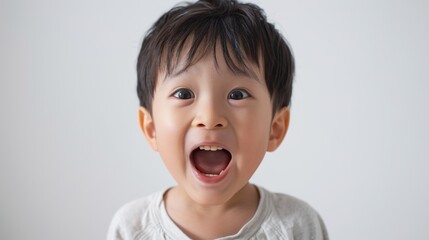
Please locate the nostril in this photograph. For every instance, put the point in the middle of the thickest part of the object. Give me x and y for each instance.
(209, 123)
(202, 125)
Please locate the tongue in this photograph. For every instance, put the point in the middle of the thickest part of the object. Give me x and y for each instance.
(211, 162)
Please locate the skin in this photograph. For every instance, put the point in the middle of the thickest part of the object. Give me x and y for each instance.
(209, 105)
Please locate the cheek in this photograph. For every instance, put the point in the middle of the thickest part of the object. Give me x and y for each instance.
(253, 138)
(255, 123)
(255, 141)
(170, 131)
(170, 128)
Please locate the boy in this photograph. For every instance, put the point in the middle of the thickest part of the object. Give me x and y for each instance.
(214, 83)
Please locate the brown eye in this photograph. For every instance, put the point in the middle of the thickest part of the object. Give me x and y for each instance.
(183, 93)
(238, 94)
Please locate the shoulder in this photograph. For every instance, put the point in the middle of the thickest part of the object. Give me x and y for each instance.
(135, 217)
(296, 217)
(292, 207)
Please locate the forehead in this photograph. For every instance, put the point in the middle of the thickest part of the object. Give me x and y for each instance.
(223, 58)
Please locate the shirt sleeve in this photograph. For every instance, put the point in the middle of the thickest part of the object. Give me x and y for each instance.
(116, 230)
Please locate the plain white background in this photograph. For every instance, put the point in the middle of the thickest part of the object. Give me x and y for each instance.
(72, 153)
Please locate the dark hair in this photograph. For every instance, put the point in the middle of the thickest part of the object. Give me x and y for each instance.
(241, 29)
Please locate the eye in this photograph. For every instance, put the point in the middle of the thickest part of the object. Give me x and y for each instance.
(238, 94)
(183, 93)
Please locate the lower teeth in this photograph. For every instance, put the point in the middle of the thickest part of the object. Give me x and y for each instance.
(213, 174)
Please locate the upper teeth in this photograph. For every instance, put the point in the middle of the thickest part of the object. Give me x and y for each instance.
(210, 148)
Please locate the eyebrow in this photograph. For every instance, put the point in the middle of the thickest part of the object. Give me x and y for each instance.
(249, 73)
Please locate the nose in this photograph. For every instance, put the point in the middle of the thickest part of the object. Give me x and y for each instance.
(210, 115)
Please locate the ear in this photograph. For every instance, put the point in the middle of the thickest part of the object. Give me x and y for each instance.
(279, 127)
(148, 127)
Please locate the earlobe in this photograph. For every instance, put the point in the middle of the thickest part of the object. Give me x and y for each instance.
(279, 127)
(148, 127)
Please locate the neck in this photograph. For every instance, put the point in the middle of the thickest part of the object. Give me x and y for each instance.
(200, 221)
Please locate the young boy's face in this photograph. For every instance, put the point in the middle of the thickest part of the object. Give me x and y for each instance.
(212, 109)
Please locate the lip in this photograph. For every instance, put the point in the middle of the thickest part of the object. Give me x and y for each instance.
(202, 177)
(210, 180)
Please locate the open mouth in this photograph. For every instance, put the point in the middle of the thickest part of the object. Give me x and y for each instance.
(210, 161)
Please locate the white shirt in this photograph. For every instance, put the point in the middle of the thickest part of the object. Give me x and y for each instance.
(278, 216)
